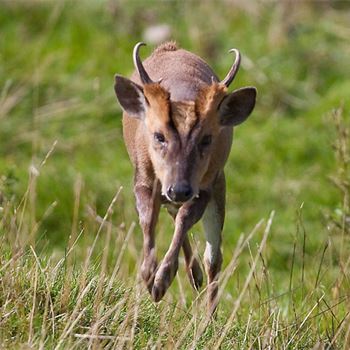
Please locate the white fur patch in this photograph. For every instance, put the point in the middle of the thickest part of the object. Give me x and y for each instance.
(212, 230)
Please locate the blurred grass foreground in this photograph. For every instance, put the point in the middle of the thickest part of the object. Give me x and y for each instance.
(70, 245)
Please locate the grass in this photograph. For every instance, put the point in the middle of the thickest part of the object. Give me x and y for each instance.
(69, 245)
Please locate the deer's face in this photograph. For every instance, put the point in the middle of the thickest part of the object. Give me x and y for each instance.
(181, 135)
(180, 148)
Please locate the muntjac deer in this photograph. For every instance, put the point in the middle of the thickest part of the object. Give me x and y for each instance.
(178, 125)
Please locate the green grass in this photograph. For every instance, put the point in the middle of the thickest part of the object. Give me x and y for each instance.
(57, 62)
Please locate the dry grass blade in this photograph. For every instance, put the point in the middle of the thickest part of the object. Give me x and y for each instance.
(343, 323)
(246, 284)
(43, 325)
(119, 259)
(241, 244)
(304, 320)
(33, 174)
(107, 214)
(71, 326)
(32, 312)
(136, 309)
(238, 251)
(123, 248)
(8, 102)
(48, 290)
(73, 319)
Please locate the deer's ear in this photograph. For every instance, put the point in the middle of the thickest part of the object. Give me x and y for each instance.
(130, 97)
(237, 106)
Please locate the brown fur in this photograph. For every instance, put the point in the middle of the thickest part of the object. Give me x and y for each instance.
(183, 108)
(184, 116)
(209, 98)
(169, 105)
(158, 99)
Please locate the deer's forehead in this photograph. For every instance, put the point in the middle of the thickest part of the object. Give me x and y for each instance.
(184, 116)
(187, 117)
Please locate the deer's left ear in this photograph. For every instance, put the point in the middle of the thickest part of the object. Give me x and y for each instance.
(237, 106)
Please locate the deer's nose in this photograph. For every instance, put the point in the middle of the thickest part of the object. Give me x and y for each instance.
(180, 192)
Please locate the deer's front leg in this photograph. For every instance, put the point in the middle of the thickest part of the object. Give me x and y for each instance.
(186, 217)
(148, 206)
(193, 269)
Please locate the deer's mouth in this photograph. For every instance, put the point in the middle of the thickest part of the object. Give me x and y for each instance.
(167, 200)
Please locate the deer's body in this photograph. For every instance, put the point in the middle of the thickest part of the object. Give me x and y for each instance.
(178, 132)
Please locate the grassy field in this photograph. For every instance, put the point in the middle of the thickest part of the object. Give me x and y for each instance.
(70, 246)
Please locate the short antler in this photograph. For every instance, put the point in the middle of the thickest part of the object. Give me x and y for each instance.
(234, 69)
(139, 66)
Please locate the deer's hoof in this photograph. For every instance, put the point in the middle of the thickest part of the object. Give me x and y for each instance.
(195, 274)
(148, 272)
(163, 279)
(158, 292)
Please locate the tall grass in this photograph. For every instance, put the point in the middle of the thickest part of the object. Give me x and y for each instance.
(91, 299)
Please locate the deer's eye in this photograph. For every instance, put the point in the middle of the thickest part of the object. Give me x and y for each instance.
(159, 137)
(206, 141)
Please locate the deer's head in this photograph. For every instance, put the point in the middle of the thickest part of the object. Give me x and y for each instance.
(181, 135)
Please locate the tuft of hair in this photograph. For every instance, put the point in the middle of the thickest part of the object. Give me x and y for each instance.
(209, 97)
(158, 99)
(167, 46)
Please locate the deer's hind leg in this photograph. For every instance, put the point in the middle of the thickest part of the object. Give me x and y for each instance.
(193, 269)
(213, 221)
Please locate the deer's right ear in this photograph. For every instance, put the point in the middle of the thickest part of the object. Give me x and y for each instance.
(130, 97)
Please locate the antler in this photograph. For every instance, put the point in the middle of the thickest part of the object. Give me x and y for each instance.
(234, 69)
(139, 66)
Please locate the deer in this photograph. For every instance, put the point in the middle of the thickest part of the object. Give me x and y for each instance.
(178, 121)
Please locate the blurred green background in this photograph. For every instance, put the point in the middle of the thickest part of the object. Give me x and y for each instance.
(57, 63)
